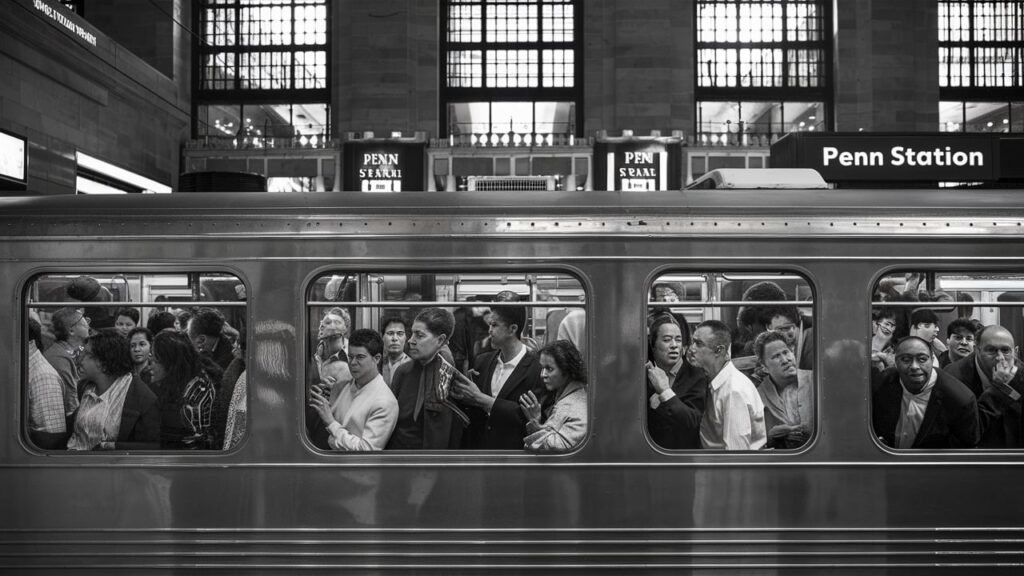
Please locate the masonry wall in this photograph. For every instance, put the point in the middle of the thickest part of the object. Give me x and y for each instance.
(66, 95)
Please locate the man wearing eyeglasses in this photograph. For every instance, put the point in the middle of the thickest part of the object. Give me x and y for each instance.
(70, 328)
(915, 405)
(959, 341)
(733, 412)
(993, 372)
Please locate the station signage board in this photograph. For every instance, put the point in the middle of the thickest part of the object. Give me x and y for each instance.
(636, 166)
(850, 157)
(383, 166)
(13, 160)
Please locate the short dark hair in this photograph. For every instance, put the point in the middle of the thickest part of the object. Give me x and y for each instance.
(512, 315)
(763, 340)
(35, 333)
(140, 330)
(438, 321)
(789, 312)
(960, 324)
(882, 313)
(567, 358)
(178, 356)
(394, 320)
(129, 312)
(159, 320)
(112, 352)
(369, 339)
(208, 322)
(62, 320)
(923, 316)
(721, 332)
(652, 331)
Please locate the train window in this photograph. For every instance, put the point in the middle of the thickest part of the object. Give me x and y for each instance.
(430, 361)
(730, 361)
(135, 361)
(945, 362)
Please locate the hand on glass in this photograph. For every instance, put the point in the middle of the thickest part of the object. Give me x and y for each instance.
(530, 406)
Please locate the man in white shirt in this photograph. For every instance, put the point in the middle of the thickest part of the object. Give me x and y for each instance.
(360, 415)
(915, 405)
(733, 412)
(500, 377)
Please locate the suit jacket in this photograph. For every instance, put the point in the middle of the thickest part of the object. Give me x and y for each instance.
(436, 427)
(675, 425)
(505, 427)
(950, 419)
(1000, 417)
(140, 417)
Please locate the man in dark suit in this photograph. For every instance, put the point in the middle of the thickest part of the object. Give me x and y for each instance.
(915, 405)
(993, 373)
(676, 389)
(500, 377)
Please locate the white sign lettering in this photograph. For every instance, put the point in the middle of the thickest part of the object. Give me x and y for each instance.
(902, 156)
(64, 21)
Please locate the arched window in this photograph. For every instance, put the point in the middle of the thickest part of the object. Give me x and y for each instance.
(511, 67)
(762, 67)
(262, 70)
(981, 66)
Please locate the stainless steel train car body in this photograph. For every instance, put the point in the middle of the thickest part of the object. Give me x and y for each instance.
(274, 504)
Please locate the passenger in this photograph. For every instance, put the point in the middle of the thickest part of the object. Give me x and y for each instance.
(733, 413)
(924, 324)
(181, 320)
(904, 395)
(786, 392)
(226, 392)
(361, 414)
(752, 319)
(574, 329)
(668, 292)
(47, 427)
(236, 422)
(140, 342)
(116, 411)
(500, 378)
(71, 329)
(677, 388)
(425, 422)
(206, 331)
(87, 289)
(786, 321)
(332, 339)
(125, 320)
(395, 337)
(883, 345)
(470, 333)
(159, 321)
(959, 341)
(993, 373)
(564, 423)
(185, 391)
(528, 341)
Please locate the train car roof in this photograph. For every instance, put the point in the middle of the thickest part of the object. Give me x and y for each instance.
(889, 202)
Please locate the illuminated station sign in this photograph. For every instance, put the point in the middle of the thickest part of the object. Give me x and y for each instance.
(385, 166)
(910, 157)
(637, 165)
(13, 161)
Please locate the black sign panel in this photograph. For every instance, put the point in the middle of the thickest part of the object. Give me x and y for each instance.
(385, 166)
(636, 166)
(878, 157)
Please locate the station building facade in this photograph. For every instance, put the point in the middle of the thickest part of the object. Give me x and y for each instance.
(116, 95)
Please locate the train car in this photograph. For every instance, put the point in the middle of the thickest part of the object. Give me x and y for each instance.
(618, 502)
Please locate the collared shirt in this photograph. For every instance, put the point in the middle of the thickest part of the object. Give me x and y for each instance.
(99, 415)
(503, 370)
(733, 413)
(661, 397)
(912, 409)
(389, 367)
(62, 356)
(45, 395)
(365, 416)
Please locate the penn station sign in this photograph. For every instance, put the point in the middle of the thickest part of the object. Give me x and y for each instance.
(848, 157)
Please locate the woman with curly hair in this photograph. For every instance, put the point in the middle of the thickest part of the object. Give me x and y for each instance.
(564, 421)
(185, 391)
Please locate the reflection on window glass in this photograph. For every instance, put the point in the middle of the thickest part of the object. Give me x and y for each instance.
(702, 356)
(446, 362)
(945, 344)
(136, 361)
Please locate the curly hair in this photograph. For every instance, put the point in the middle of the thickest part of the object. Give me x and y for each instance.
(112, 352)
(568, 360)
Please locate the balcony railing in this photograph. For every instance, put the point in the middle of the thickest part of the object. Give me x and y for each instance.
(299, 142)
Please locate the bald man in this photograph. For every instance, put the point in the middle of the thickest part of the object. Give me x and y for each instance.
(915, 405)
(993, 372)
